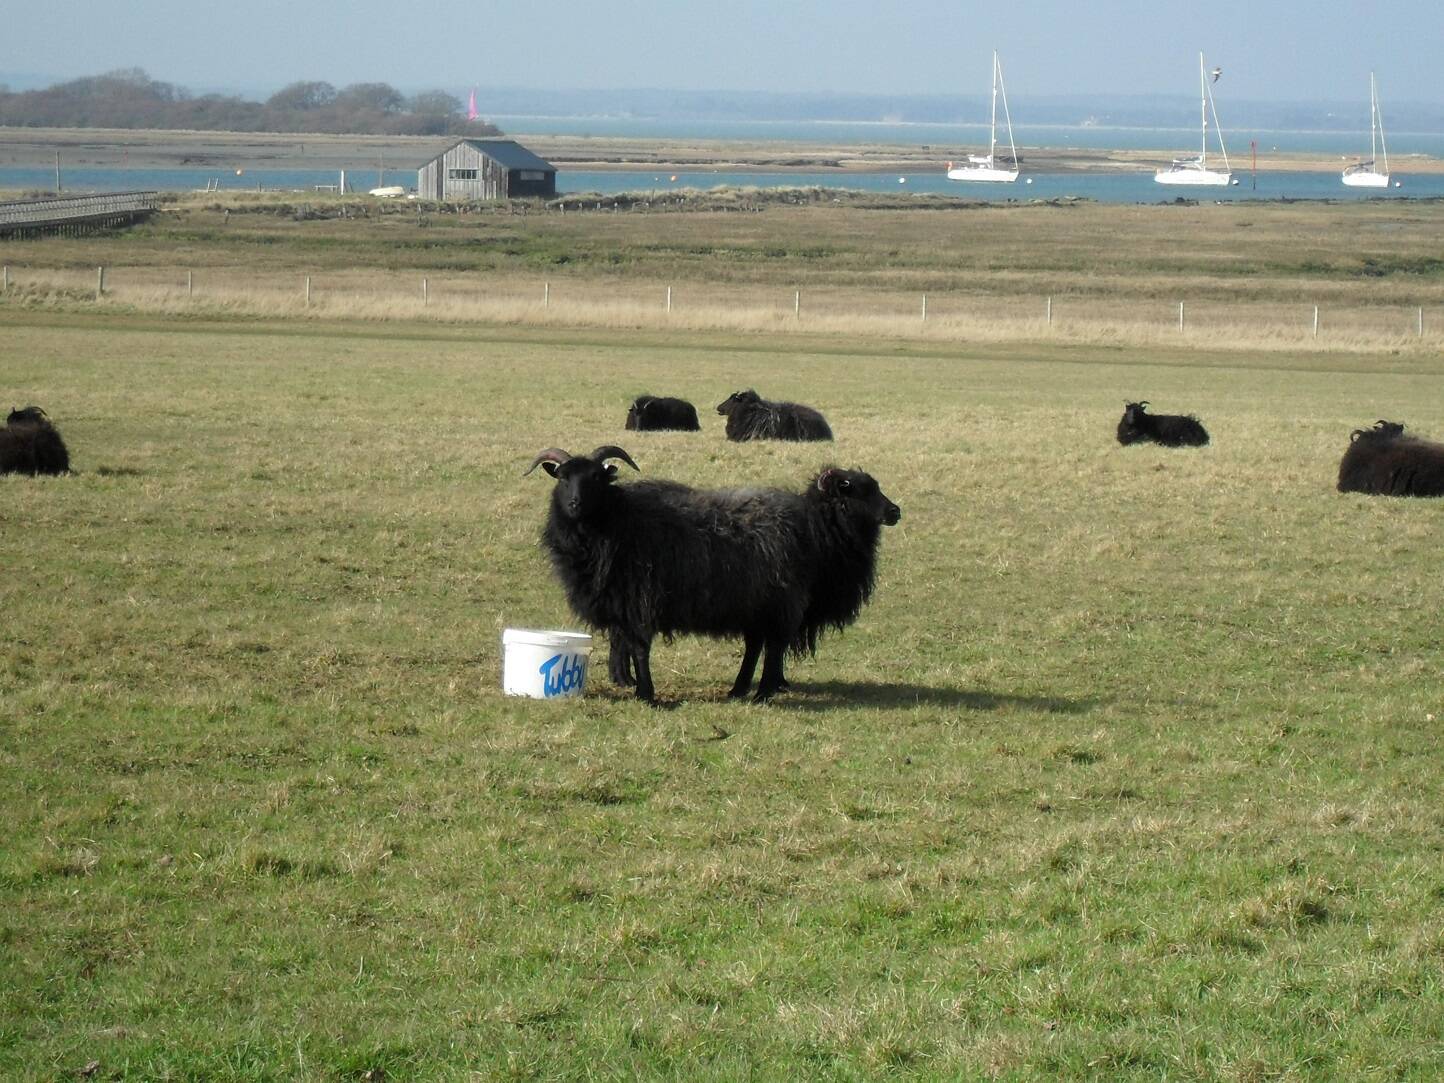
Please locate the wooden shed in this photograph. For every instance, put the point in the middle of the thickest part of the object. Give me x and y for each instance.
(486, 169)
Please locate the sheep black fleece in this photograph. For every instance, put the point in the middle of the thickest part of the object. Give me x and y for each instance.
(1385, 462)
(30, 444)
(657, 558)
(1170, 430)
(751, 417)
(653, 413)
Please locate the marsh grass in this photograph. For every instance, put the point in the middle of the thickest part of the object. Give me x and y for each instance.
(1249, 274)
(630, 304)
(1130, 770)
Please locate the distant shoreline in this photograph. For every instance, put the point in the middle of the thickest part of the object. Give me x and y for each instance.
(36, 148)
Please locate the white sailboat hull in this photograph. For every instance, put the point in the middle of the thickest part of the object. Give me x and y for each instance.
(1210, 178)
(985, 173)
(1193, 170)
(1366, 174)
(991, 168)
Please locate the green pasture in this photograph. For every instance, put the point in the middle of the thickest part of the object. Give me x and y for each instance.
(1131, 769)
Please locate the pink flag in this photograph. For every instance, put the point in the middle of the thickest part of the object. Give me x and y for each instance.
(471, 107)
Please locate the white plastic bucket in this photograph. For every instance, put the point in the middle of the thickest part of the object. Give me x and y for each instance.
(544, 665)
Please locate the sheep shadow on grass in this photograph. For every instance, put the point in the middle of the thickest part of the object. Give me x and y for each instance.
(833, 695)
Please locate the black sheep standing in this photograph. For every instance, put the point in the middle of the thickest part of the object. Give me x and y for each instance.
(659, 558)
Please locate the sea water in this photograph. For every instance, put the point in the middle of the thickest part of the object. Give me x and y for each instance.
(1104, 187)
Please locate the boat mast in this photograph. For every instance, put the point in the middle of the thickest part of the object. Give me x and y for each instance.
(1208, 105)
(993, 126)
(998, 71)
(1376, 123)
(1203, 118)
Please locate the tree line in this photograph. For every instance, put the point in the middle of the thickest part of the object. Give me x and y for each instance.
(129, 98)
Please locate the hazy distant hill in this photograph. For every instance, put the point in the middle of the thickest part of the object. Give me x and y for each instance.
(129, 98)
(1132, 111)
(1128, 111)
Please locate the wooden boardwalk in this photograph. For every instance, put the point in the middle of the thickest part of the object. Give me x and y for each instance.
(75, 214)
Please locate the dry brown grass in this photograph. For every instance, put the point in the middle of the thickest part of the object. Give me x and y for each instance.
(580, 303)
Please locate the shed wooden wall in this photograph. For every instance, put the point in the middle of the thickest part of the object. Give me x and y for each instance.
(492, 181)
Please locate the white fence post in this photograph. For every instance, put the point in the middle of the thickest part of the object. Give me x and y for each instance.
(190, 284)
(1316, 321)
(1180, 315)
(669, 298)
(925, 308)
(5, 283)
(1050, 311)
(99, 282)
(797, 306)
(308, 291)
(424, 298)
(1421, 321)
(546, 295)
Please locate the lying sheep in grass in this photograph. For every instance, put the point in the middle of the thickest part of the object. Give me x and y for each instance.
(30, 444)
(656, 558)
(751, 417)
(1170, 430)
(651, 413)
(1384, 462)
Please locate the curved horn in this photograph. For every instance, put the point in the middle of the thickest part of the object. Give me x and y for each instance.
(1144, 402)
(550, 455)
(611, 451)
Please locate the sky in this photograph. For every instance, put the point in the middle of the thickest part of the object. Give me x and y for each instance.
(1270, 51)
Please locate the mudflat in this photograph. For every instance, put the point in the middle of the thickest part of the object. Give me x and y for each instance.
(109, 148)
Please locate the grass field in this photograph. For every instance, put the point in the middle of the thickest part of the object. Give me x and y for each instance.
(1249, 274)
(1129, 771)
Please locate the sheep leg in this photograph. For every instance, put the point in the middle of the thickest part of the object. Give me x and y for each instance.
(752, 648)
(641, 656)
(772, 679)
(619, 662)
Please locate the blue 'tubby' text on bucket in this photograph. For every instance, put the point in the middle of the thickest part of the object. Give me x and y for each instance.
(559, 679)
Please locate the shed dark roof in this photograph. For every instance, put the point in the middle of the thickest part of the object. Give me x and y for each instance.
(508, 153)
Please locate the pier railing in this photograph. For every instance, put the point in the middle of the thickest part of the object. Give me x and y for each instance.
(78, 212)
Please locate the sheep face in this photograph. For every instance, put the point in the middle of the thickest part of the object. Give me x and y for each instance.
(1133, 413)
(737, 400)
(583, 481)
(582, 486)
(859, 493)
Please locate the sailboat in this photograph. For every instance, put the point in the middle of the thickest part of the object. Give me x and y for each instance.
(992, 166)
(1194, 169)
(1367, 174)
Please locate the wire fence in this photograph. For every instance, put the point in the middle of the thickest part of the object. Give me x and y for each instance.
(582, 302)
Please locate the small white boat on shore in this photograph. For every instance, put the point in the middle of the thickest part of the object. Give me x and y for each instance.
(992, 167)
(390, 191)
(1369, 174)
(1194, 169)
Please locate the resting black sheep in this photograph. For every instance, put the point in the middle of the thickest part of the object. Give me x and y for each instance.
(660, 558)
(1385, 462)
(1170, 430)
(30, 444)
(751, 417)
(651, 413)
